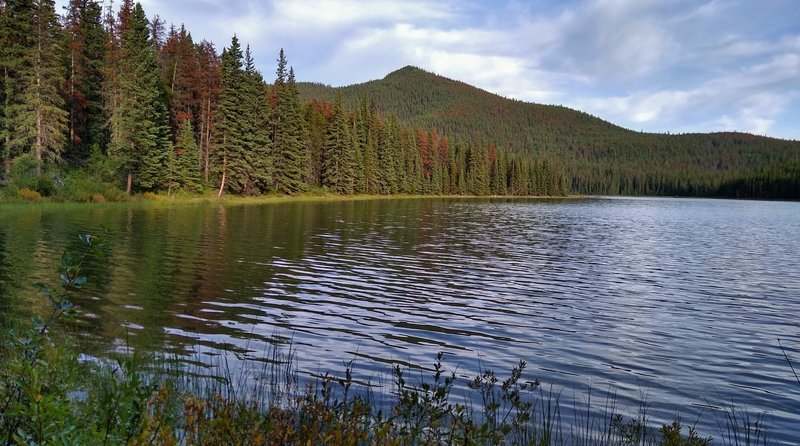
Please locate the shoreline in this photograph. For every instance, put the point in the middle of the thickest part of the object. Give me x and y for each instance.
(237, 200)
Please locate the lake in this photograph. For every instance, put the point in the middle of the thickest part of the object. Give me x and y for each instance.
(677, 301)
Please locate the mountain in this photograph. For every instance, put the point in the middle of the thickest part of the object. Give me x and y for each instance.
(600, 157)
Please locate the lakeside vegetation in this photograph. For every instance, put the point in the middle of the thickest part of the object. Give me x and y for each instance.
(52, 394)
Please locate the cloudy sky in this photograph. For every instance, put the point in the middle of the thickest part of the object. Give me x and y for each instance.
(653, 65)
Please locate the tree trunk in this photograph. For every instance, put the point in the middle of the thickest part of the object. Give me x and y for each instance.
(221, 185)
(72, 99)
(130, 184)
(7, 142)
(224, 171)
(208, 139)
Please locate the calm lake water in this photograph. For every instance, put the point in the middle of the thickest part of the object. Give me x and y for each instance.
(677, 301)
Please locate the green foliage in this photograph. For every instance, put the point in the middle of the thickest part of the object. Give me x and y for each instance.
(289, 137)
(84, 186)
(599, 157)
(338, 158)
(139, 119)
(672, 436)
(184, 160)
(40, 118)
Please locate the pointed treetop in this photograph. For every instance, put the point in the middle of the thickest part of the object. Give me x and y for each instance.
(249, 64)
(281, 71)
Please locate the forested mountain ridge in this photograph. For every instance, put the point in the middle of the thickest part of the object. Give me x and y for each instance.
(599, 157)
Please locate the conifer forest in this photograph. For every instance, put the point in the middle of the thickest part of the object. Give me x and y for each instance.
(109, 96)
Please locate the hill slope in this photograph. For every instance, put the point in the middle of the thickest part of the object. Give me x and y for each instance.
(600, 157)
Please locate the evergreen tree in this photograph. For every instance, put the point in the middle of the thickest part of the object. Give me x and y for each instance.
(369, 172)
(316, 117)
(413, 166)
(255, 128)
(499, 182)
(142, 144)
(337, 161)
(387, 159)
(180, 76)
(209, 79)
(41, 119)
(229, 159)
(15, 36)
(289, 143)
(186, 171)
(85, 45)
(363, 155)
(478, 171)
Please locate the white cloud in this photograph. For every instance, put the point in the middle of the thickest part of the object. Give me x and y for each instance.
(750, 100)
(676, 65)
(343, 13)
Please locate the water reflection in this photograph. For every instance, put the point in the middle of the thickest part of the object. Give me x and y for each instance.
(679, 299)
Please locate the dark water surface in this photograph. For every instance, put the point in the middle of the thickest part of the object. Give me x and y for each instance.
(677, 301)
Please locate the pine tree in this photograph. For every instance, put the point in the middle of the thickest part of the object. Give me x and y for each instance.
(370, 169)
(317, 114)
(186, 171)
(387, 159)
(229, 160)
(289, 142)
(255, 128)
(478, 178)
(85, 45)
(338, 158)
(208, 91)
(15, 36)
(180, 76)
(41, 120)
(142, 144)
(499, 181)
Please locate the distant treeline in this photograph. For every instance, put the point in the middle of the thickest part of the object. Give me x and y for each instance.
(128, 101)
(598, 157)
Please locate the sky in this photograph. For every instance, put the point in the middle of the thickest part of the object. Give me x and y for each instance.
(651, 65)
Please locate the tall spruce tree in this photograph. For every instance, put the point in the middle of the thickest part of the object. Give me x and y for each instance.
(15, 37)
(337, 158)
(142, 143)
(85, 45)
(288, 143)
(41, 120)
(478, 179)
(208, 90)
(255, 128)
(387, 159)
(229, 161)
(369, 174)
(185, 169)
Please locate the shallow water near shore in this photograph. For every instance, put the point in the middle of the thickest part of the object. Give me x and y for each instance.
(677, 301)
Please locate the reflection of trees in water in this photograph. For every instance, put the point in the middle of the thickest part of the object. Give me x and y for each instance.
(197, 269)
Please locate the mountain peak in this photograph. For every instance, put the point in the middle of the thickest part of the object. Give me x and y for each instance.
(408, 70)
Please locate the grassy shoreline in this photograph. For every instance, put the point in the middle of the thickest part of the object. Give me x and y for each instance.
(235, 200)
(52, 394)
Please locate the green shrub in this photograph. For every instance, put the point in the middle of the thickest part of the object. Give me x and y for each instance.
(82, 187)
